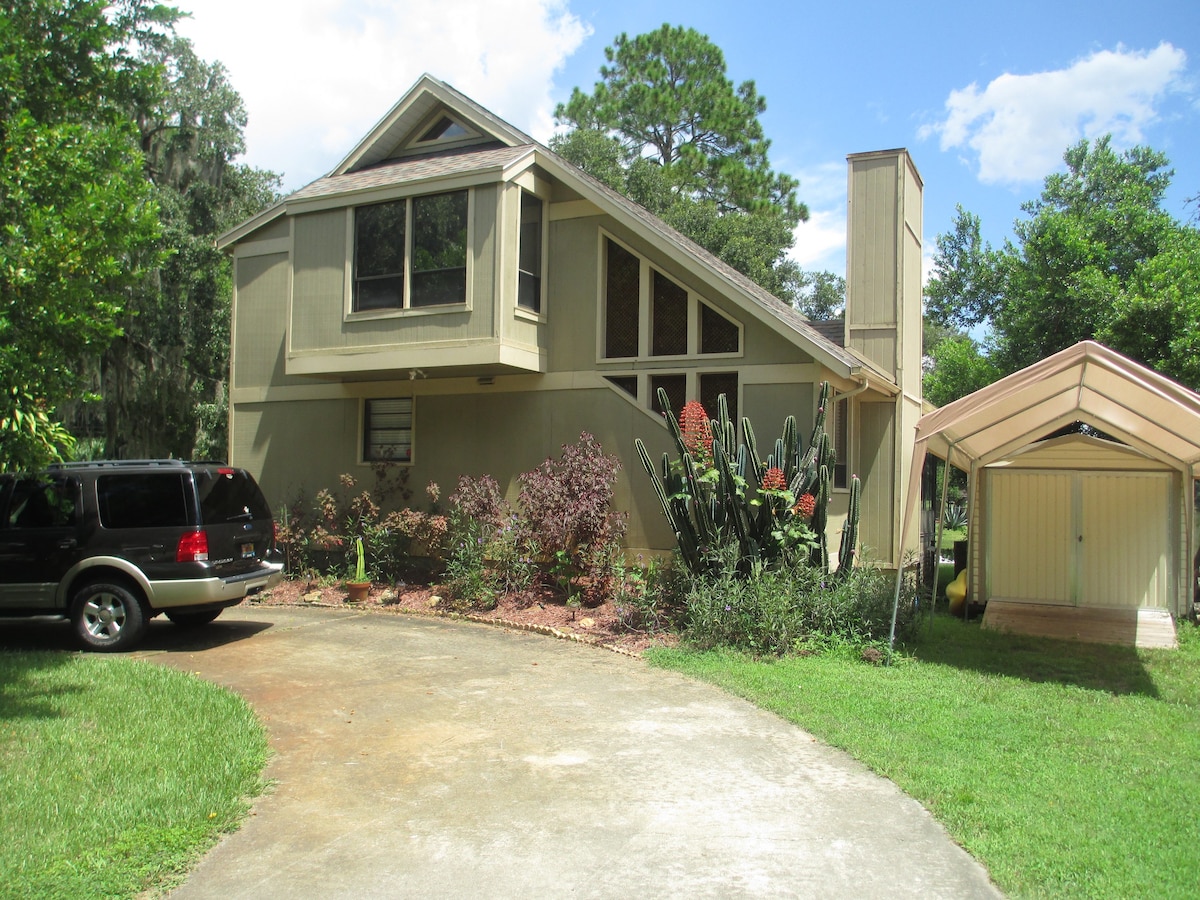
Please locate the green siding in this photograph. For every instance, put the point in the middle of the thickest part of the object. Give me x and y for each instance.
(877, 468)
(261, 313)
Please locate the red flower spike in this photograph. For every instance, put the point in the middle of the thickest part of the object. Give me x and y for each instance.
(805, 506)
(773, 479)
(693, 423)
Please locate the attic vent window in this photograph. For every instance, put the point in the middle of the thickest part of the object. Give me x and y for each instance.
(445, 129)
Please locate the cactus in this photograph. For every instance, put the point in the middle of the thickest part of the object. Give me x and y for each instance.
(752, 502)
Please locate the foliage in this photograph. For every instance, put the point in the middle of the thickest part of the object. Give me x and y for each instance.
(779, 609)
(820, 296)
(957, 369)
(665, 127)
(1047, 760)
(78, 223)
(182, 760)
(1096, 257)
(719, 492)
(565, 508)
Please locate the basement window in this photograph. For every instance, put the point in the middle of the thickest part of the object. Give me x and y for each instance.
(388, 430)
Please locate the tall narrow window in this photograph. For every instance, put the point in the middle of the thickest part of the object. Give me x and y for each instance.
(529, 264)
(379, 245)
(439, 254)
(669, 317)
(388, 430)
(621, 302)
(841, 442)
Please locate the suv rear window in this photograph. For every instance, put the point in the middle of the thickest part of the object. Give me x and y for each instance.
(228, 495)
(143, 501)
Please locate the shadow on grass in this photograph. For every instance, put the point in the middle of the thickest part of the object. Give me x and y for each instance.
(965, 645)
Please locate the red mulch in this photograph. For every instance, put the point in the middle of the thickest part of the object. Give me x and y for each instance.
(542, 610)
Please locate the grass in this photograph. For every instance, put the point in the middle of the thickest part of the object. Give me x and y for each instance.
(115, 774)
(1068, 770)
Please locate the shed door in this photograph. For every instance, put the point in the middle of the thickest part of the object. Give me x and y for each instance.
(1080, 538)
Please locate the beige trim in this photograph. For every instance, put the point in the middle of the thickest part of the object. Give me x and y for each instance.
(262, 248)
(550, 381)
(416, 188)
(573, 209)
(408, 357)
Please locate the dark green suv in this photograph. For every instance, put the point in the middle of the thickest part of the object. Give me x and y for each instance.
(110, 545)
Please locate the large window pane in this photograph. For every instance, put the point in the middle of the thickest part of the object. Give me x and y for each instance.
(712, 385)
(717, 333)
(669, 318)
(439, 251)
(529, 264)
(676, 388)
(621, 301)
(379, 256)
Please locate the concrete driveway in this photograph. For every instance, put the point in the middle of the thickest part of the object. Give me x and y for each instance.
(425, 758)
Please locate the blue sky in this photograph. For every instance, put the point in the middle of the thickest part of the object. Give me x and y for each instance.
(986, 97)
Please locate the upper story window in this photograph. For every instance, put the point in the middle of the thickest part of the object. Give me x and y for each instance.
(529, 262)
(411, 253)
(678, 322)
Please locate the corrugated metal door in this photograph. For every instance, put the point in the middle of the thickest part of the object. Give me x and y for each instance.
(1029, 540)
(1081, 538)
(1123, 539)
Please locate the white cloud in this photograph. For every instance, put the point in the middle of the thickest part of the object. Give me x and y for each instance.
(1019, 125)
(315, 75)
(821, 241)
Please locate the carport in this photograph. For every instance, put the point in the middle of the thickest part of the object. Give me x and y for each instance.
(1079, 535)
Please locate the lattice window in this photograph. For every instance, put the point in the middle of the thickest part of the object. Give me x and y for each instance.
(627, 383)
(712, 385)
(669, 318)
(388, 430)
(621, 302)
(676, 388)
(717, 333)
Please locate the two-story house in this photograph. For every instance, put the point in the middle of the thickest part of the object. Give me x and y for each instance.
(457, 298)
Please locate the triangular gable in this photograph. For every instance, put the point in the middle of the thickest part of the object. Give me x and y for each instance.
(419, 111)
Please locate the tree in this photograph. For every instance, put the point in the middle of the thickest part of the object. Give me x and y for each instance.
(957, 368)
(1095, 258)
(668, 129)
(820, 296)
(161, 381)
(77, 217)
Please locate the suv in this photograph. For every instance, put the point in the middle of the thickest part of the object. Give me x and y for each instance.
(110, 545)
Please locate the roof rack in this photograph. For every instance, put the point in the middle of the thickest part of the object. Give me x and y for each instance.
(117, 463)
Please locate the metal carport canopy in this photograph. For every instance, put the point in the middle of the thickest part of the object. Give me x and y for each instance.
(1085, 383)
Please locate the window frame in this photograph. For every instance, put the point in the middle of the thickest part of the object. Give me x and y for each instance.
(696, 303)
(406, 308)
(538, 314)
(365, 431)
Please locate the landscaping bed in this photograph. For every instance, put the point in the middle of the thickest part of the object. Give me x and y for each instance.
(539, 609)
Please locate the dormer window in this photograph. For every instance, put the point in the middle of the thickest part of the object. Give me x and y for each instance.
(411, 253)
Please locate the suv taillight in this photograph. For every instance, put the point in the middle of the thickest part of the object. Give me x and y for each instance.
(193, 547)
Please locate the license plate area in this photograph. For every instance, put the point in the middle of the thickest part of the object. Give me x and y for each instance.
(248, 550)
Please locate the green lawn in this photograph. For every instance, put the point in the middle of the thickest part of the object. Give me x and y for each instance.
(115, 774)
(1069, 770)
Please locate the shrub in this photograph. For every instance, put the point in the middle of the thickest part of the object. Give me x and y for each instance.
(565, 519)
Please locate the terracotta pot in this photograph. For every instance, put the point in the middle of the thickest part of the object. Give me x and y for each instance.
(357, 591)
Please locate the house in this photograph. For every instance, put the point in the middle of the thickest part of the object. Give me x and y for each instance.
(1076, 534)
(456, 298)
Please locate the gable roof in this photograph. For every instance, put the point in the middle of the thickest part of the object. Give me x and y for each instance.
(371, 165)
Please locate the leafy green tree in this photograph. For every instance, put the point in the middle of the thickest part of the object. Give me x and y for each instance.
(820, 296)
(668, 129)
(78, 224)
(957, 368)
(1097, 257)
(161, 381)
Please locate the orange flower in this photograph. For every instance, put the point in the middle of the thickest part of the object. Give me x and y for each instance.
(805, 506)
(773, 479)
(697, 438)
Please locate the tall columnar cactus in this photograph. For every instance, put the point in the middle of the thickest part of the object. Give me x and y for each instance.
(724, 491)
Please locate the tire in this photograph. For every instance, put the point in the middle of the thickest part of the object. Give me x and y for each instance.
(107, 617)
(192, 618)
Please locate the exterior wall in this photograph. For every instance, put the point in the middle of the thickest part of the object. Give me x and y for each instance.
(876, 468)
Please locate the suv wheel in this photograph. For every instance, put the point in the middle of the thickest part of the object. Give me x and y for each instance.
(107, 617)
(191, 618)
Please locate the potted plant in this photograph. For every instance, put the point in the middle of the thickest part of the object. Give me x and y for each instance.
(361, 585)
